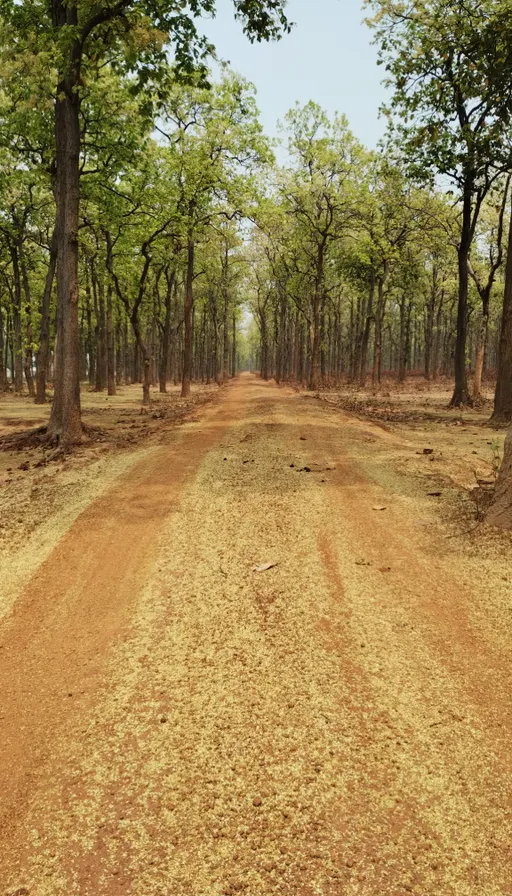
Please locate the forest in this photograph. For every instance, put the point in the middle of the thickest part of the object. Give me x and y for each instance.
(255, 456)
(174, 220)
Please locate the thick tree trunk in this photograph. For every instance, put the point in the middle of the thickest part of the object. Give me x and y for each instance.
(43, 353)
(500, 513)
(461, 394)
(65, 425)
(188, 309)
(503, 397)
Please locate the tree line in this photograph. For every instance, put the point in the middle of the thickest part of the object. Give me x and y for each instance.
(124, 177)
(354, 267)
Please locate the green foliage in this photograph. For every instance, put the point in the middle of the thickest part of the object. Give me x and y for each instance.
(450, 66)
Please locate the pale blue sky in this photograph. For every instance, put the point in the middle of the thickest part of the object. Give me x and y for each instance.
(328, 58)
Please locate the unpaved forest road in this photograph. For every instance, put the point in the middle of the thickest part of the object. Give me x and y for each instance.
(174, 723)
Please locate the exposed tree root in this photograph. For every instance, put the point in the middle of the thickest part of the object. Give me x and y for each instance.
(19, 441)
(461, 403)
(498, 422)
(41, 438)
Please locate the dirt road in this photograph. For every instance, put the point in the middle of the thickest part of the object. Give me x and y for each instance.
(174, 722)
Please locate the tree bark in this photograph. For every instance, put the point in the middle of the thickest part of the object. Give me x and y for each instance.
(101, 340)
(379, 317)
(166, 334)
(503, 397)
(225, 317)
(366, 333)
(3, 377)
(500, 512)
(44, 337)
(233, 350)
(264, 346)
(461, 394)
(188, 309)
(111, 357)
(65, 424)
(480, 353)
(17, 341)
(28, 357)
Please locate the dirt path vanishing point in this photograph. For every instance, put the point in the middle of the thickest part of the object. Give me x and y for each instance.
(175, 723)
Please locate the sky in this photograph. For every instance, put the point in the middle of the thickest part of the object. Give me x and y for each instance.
(327, 58)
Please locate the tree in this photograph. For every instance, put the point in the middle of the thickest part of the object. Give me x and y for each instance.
(492, 237)
(214, 139)
(503, 397)
(451, 69)
(317, 197)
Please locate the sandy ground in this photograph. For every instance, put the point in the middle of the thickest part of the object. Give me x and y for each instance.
(175, 722)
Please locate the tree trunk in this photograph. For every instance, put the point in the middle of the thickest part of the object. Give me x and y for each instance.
(366, 333)
(225, 317)
(166, 334)
(500, 513)
(480, 353)
(111, 355)
(188, 308)
(461, 394)
(28, 357)
(17, 342)
(3, 377)
(503, 397)
(314, 335)
(43, 352)
(65, 425)
(146, 361)
(379, 316)
(101, 338)
(429, 324)
(264, 346)
(233, 350)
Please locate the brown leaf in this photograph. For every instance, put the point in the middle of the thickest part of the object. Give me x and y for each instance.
(379, 507)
